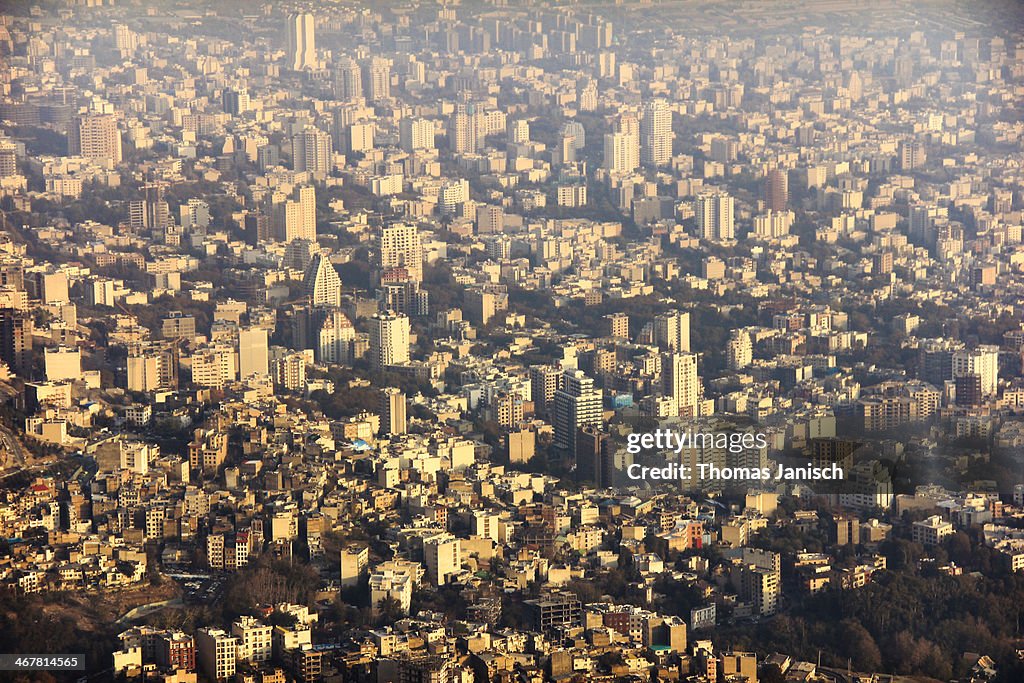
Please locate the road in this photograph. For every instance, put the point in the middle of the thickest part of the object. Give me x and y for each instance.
(11, 446)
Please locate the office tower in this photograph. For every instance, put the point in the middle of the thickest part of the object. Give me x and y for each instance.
(295, 217)
(400, 250)
(217, 653)
(389, 340)
(982, 362)
(680, 382)
(392, 411)
(95, 136)
(321, 282)
(348, 80)
(739, 352)
(334, 339)
(442, 554)
(594, 463)
(301, 42)
(672, 331)
(377, 79)
(16, 340)
(253, 352)
(311, 151)
(621, 152)
(577, 404)
(714, 212)
(656, 133)
(416, 134)
(776, 190)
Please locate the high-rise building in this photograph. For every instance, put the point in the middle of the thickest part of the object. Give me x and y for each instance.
(214, 367)
(714, 211)
(983, 362)
(415, 134)
(377, 78)
(594, 463)
(16, 339)
(355, 560)
(253, 351)
(656, 133)
(776, 190)
(289, 372)
(8, 158)
(301, 41)
(311, 151)
(62, 363)
(217, 653)
(235, 101)
(442, 554)
(672, 331)
(545, 380)
(466, 129)
(254, 639)
(912, 154)
(739, 352)
(257, 229)
(621, 152)
(518, 131)
(680, 382)
(153, 368)
(577, 404)
(401, 248)
(95, 136)
(617, 325)
(294, 217)
(389, 340)
(348, 80)
(392, 411)
(335, 338)
(321, 282)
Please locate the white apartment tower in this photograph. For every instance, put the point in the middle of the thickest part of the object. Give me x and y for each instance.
(311, 151)
(322, 284)
(621, 152)
(301, 41)
(389, 339)
(714, 211)
(656, 133)
(400, 247)
(577, 404)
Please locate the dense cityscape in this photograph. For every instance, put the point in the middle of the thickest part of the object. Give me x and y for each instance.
(512, 342)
